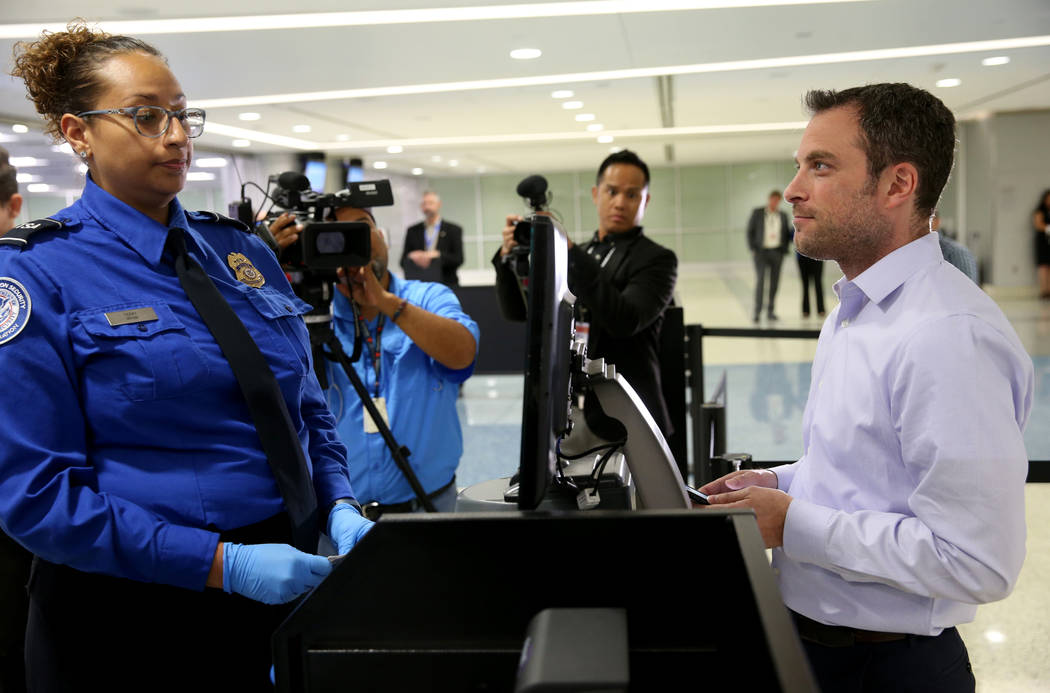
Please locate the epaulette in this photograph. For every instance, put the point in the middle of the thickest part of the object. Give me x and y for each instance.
(19, 235)
(216, 218)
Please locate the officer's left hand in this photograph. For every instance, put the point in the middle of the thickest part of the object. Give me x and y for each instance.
(770, 506)
(346, 527)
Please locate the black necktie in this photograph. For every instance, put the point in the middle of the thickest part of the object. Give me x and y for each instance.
(269, 412)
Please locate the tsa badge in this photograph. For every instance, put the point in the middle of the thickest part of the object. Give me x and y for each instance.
(15, 308)
(245, 270)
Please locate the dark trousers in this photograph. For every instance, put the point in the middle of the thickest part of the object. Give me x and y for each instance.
(14, 608)
(811, 271)
(915, 664)
(766, 259)
(95, 632)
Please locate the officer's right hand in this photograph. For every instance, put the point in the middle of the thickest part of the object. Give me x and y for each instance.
(271, 573)
(508, 233)
(734, 481)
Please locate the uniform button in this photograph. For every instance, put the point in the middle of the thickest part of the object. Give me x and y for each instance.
(845, 323)
(288, 308)
(143, 328)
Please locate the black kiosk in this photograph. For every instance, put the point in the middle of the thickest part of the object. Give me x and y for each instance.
(663, 598)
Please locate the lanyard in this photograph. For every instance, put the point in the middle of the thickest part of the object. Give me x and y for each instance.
(375, 349)
(594, 252)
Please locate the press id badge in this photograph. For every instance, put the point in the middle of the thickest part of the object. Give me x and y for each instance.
(370, 425)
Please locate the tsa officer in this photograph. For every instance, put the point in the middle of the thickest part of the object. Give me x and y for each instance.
(133, 464)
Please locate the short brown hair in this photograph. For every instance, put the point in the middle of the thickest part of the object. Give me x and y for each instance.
(898, 123)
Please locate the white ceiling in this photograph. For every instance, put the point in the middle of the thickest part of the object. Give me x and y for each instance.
(470, 124)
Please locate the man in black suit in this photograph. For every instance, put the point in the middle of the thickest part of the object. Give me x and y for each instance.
(433, 247)
(768, 236)
(622, 281)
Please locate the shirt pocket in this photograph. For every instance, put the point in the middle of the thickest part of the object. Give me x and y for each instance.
(284, 338)
(148, 360)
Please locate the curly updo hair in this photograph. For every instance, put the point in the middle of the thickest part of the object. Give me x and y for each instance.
(61, 70)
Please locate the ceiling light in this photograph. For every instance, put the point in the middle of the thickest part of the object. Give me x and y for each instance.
(949, 82)
(342, 137)
(595, 127)
(379, 165)
(417, 172)
(200, 175)
(241, 143)
(994, 636)
(19, 128)
(64, 148)
(453, 163)
(279, 22)
(39, 187)
(562, 94)
(211, 162)
(249, 116)
(997, 60)
(301, 128)
(584, 117)
(572, 105)
(699, 68)
(605, 139)
(613, 150)
(395, 149)
(26, 161)
(27, 178)
(436, 158)
(526, 53)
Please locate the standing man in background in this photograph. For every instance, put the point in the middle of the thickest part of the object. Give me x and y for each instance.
(433, 247)
(768, 237)
(14, 560)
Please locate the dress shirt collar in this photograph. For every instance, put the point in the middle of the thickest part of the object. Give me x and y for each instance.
(616, 237)
(888, 274)
(140, 233)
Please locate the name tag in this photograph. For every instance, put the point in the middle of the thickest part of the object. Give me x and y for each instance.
(132, 316)
(370, 426)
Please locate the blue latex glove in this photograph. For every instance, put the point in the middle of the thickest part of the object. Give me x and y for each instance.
(346, 527)
(271, 573)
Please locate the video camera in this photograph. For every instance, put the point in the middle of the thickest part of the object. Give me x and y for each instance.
(534, 190)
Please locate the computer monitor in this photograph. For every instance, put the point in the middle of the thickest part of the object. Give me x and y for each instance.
(548, 328)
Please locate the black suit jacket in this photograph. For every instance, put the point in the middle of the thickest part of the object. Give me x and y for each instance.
(756, 230)
(449, 244)
(624, 303)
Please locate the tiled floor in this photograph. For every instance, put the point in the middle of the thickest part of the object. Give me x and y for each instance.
(767, 383)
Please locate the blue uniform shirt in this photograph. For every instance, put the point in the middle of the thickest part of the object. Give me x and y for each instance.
(126, 447)
(420, 398)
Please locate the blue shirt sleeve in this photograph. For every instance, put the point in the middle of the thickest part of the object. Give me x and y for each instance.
(49, 497)
(440, 300)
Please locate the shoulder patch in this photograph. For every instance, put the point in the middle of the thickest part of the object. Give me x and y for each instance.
(15, 307)
(216, 218)
(19, 235)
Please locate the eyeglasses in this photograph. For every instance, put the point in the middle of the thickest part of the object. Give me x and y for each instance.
(153, 121)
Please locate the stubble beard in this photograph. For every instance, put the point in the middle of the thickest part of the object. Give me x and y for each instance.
(850, 237)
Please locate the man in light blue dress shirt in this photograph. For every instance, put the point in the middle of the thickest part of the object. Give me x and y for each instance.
(906, 509)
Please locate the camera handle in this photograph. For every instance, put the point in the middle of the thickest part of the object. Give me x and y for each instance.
(399, 452)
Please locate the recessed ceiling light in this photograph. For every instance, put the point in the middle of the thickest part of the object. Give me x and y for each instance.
(342, 137)
(26, 161)
(996, 60)
(572, 105)
(249, 116)
(27, 178)
(417, 172)
(453, 163)
(19, 128)
(241, 143)
(562, 94)
(994, 636)
(949, 82)
(39, 187)
(605, 139)
(211, 162)
(584, 117)
(379, 165)
(301, 128)
(595, 127)
(395, 149)
(436, 158)
(613, 150)
(200, 175)
(526, 53)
